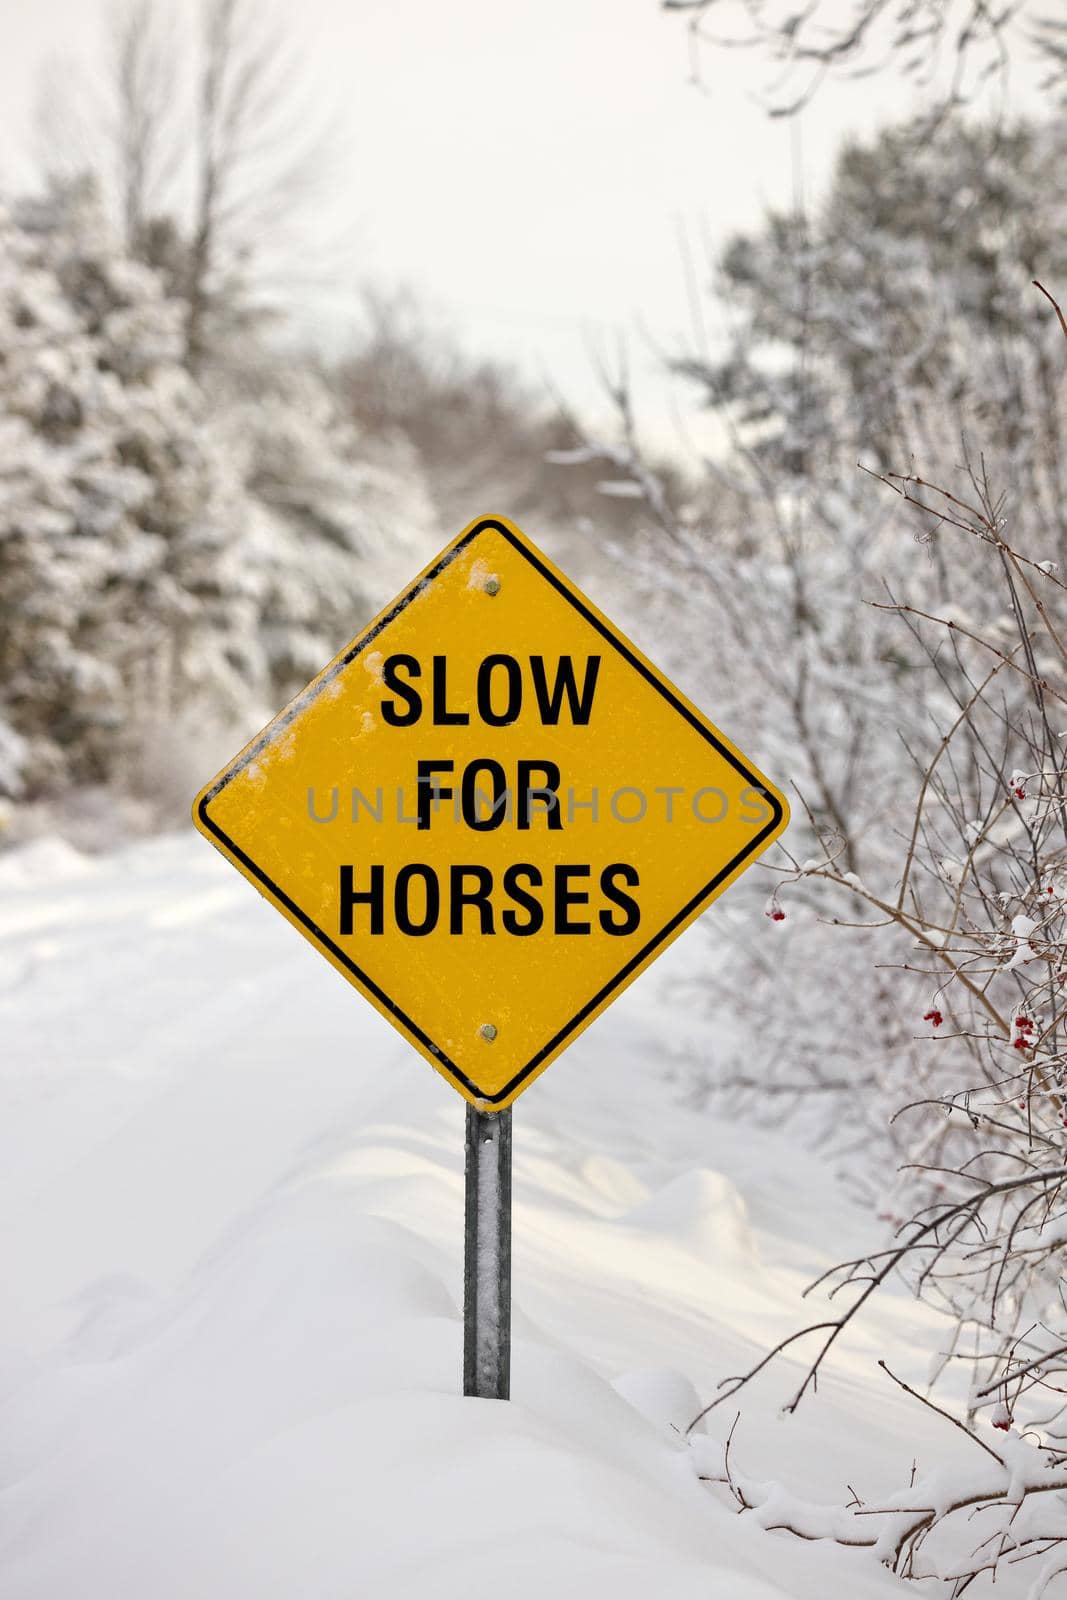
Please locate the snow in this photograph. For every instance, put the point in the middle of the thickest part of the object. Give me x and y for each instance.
(173, 550)
(1022, 927)
(230, 1339)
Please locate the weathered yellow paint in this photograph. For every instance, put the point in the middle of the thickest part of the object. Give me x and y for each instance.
(491, 593)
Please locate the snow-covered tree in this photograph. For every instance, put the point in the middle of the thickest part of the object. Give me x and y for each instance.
(895, 326)
(169, 553)
(116, 499)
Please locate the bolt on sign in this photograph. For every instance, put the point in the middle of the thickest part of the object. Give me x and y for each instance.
(490, 813)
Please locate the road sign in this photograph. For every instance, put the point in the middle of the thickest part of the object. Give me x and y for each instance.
(490, 812)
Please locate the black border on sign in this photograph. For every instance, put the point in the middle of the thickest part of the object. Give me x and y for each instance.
(305, 699)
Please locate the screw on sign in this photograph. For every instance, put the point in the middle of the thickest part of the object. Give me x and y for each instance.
(490, 813)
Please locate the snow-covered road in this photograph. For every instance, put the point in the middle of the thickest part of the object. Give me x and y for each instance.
(230, 1283)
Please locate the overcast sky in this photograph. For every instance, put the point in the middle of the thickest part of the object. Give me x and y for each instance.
(525, 165)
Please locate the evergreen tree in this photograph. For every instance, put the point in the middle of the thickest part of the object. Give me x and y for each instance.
(170, 552)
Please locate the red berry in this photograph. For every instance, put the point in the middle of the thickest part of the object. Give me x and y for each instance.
(1024, 1023)
(1003, 1426)
(935, 1017)
(1020, 792)
(1020, 1043)
(777, 915)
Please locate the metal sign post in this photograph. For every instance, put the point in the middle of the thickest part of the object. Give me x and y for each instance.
(487, 1256)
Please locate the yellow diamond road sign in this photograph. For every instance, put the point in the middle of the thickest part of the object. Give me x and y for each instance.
(490, 812)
